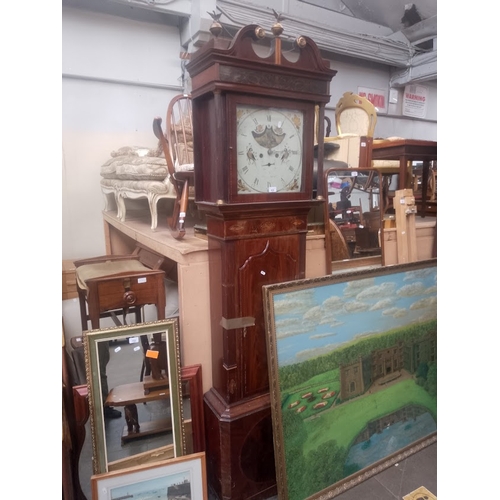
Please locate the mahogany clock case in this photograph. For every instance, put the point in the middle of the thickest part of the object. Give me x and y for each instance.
(255, 238)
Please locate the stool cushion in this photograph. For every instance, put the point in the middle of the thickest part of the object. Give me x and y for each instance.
(108, 268)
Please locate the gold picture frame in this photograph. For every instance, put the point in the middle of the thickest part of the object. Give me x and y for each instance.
(127, 345)
(353, 375)
(181, 477)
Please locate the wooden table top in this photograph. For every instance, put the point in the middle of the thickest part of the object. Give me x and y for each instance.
(393, 150)
(129, 394)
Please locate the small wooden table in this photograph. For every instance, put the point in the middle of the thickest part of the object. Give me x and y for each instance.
(406, 150)
(131, 394)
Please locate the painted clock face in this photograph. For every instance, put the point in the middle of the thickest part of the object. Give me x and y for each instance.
(269, 149)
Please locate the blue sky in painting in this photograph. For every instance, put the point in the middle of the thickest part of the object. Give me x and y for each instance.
(314, 321)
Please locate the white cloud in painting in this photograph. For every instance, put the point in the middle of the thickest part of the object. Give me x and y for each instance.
(355, 306)
(292, 326)
(313, 314)
(322, 316)
(354, 287)
(291, 332)
(384, 290)
(424, 303)
(322, 335)
(432, 290)
(419, 274)
(395, 312)
(417, 288)
(285, 323)
(334, 303)
(294, 302)
(330, 319)
(382, 304)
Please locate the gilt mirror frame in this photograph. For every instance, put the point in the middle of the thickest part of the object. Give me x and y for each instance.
(343, 251)
(91, 339)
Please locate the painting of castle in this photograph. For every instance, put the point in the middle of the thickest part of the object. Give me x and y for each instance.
(385, 365)
(353, 374)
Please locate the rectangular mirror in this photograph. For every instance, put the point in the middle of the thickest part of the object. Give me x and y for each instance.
(134, 370)
(352, 218)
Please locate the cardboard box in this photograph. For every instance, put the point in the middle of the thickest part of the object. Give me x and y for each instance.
(69, 290)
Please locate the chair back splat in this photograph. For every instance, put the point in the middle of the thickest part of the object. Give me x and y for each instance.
(355, 115)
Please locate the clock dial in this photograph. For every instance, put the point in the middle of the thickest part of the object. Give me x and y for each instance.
(269, 149)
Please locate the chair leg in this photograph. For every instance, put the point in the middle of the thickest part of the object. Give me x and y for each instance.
(83, 310)
(176, 222)
(183, 208)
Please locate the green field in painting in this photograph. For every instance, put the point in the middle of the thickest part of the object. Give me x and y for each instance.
(344, 422)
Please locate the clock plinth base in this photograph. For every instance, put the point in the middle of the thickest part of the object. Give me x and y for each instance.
(240, 454)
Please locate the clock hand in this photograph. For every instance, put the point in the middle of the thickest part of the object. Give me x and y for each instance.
(267, 164)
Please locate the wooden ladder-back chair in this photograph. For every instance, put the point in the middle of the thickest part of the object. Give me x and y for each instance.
(177, 145)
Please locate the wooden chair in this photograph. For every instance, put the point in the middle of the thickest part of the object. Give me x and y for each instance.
(177, 145)
(336, 245)
(355, 115)
(355, 120)
(430, 202)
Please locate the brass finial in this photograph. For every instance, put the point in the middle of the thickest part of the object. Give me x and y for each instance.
(216, 27)
(277, 28)
(301, 42)
(260, 32)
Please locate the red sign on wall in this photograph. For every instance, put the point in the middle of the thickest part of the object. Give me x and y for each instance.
(376, 96)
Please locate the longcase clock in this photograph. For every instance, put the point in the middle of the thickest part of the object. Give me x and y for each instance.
(254, 119)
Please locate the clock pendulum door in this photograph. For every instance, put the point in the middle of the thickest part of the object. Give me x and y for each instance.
(238, 413)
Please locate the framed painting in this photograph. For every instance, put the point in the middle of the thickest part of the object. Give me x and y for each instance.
(134, 372)
(353, 375)
(182, 477)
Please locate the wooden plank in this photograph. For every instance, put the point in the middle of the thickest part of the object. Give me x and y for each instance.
(406, 239)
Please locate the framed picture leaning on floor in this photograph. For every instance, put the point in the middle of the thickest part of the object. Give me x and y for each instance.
(353, 375)
(181, 477)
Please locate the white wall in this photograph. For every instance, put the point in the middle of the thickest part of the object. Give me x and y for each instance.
(118, 74)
